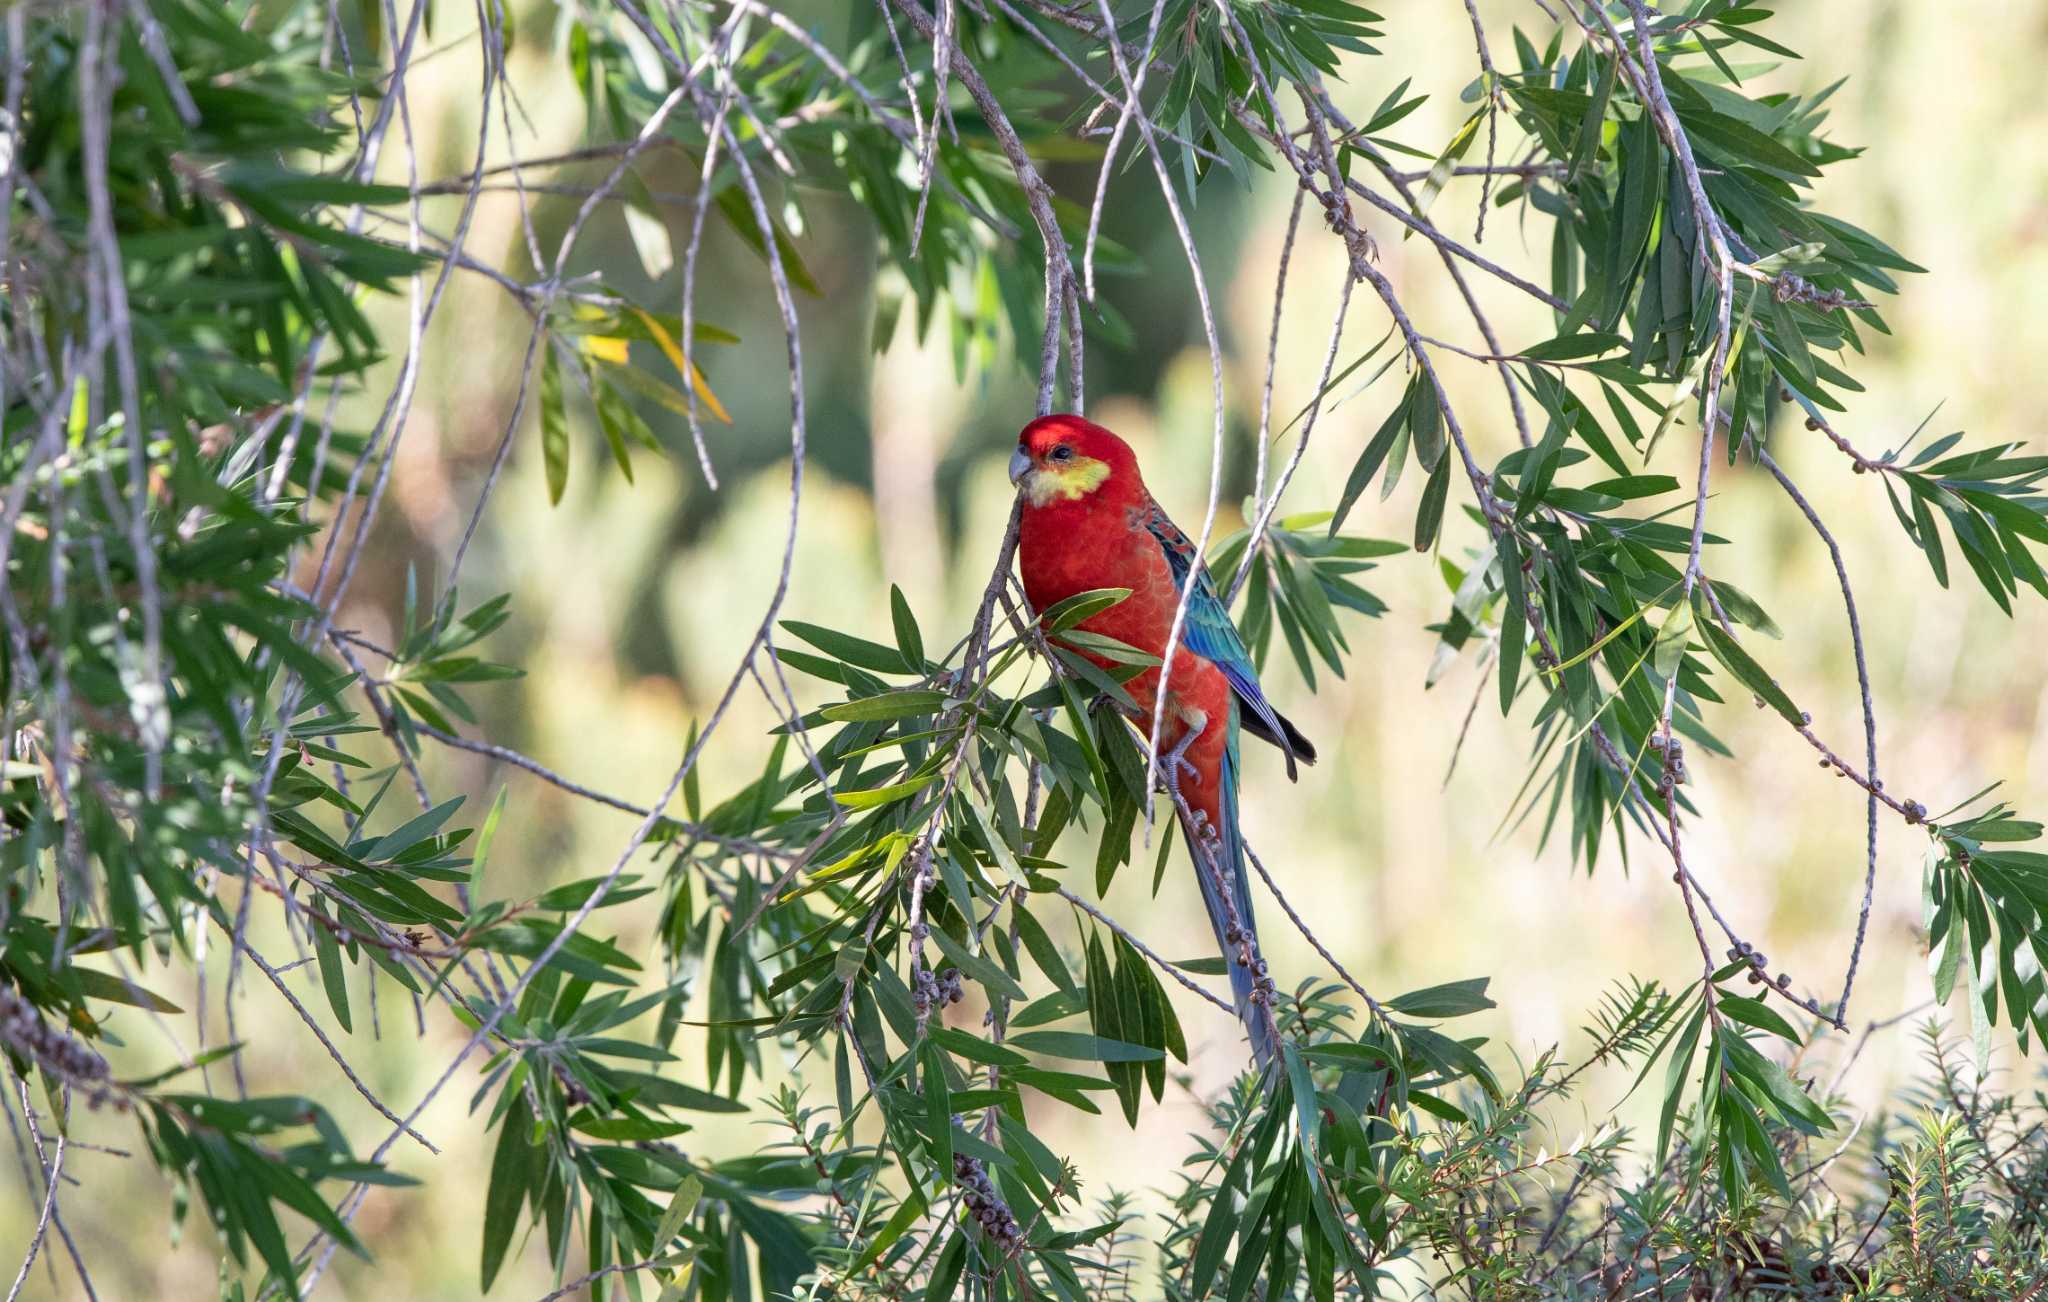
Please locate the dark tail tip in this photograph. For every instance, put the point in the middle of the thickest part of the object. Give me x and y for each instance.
(1303, 749)
(1289, 739)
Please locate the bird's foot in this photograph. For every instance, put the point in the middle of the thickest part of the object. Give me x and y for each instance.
(1177, 758)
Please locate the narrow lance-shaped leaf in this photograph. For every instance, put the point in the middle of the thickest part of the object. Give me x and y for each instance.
(554, 425)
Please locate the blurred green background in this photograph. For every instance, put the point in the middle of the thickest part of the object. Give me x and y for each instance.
(632, 601)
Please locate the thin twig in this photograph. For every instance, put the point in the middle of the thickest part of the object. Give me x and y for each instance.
(1162, 964)
(53, 1175)
(1871, 785)
(1303, 928)
(1490, 87)
(1194, 260)
(313, 1025)
(602, 1272)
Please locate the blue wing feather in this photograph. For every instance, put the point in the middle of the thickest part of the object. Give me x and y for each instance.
(1209, 632)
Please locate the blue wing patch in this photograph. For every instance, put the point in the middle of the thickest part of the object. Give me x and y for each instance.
(1209, 632)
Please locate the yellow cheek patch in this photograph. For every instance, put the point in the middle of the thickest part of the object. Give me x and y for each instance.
(1070, 482)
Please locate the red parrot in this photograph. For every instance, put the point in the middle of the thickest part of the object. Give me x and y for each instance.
(1088, 522)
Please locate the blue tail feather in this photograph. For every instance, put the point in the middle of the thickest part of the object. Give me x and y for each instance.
(1230, 852)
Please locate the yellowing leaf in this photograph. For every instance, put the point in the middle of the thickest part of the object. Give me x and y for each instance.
(606, 348)
(81, 409)
(683, 367)
(840, 867)
(897, 843)
(674, 1290)
(880, 795)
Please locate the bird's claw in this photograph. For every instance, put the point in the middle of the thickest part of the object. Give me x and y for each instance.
(1177, 760)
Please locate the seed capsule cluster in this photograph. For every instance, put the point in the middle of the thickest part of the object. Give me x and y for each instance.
(986, 1205)
(24, 1030)
(1758, 965)
(929, 991)
(1674, 759)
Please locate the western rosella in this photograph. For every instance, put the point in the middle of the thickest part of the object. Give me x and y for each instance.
(1088, 522)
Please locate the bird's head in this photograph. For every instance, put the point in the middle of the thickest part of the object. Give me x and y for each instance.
(1065, 458)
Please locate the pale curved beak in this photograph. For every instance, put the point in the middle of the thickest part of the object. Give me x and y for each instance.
(1020, 465)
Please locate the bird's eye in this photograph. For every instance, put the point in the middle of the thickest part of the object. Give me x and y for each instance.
(1063, 453)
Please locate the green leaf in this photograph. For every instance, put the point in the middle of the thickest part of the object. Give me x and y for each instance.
(484, 837)
(1219, 1228)
(1106, 648)
(946, 1274)
(1055, 1007)
(1744, 609)
(1452, 999)
(1668, 651)
(510, 1172)
(1429, 516)
(1591, 124)
(1369, 462)
(333, 977)
(1755, 1012)
(938, 1107)
(1094, 675)
(739, 214)
(1079, 1045)
(554, 425)
(975, 965)
(395, 843)
(1066, 613)
(1928, 536)
(666, 1092)
(1514, 623)
(908, 639)
(1352, 1057)
(1796, 1104)
(888, 705)
(1674, 1077)
(617, 419)
(855, 651)
(1630, 487)
(1441, 170)
(1043, 951)
(210, 1056)
(1733, 139)
(1307, 1106)
(975, 1049)
(1425, 423)
(908, 1213)
(94, 984)
(1946, 945)
(1748, 672)
(1106, 1016)
(679, 1209)
(1572, 347)
(1453, 1058)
